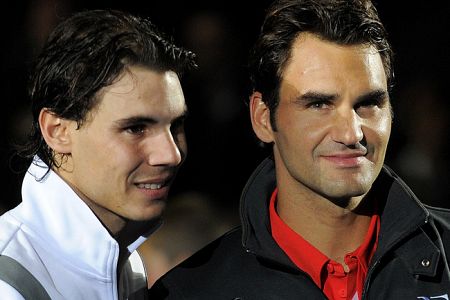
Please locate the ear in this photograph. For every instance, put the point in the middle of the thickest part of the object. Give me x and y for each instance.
(56, 131)
(260, 117)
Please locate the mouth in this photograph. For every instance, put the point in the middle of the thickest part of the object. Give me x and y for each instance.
(150, 186)
(154, 183)
(346, 160)
(154, 189)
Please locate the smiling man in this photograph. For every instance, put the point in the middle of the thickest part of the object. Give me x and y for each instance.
(107, 140)
(322, 217)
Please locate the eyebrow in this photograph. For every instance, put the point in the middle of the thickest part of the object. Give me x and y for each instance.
(148, 120)
(311, 97)
(375, 95)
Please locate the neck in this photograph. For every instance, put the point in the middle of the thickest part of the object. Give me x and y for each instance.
(132, 230)
(128, 234)
(332, 229)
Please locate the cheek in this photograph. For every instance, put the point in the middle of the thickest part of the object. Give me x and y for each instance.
(289, 122)
(105, 151)
(84, 150)
(377, 137)
(381, 129)
(301, 134)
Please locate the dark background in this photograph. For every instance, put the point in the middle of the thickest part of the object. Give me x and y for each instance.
(222, 148)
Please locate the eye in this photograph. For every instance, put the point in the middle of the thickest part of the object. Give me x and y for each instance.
(136, 129)
(368, 103)
(376, 99)
(319, 105)
(370, 107)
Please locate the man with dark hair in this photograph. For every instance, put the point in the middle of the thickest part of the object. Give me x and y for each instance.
(106, 142)
(323, 217)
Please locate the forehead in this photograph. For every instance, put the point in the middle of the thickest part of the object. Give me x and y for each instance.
(320, 63)
(140, 91)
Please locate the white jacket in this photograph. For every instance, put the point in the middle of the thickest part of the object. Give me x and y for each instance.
(55, 235)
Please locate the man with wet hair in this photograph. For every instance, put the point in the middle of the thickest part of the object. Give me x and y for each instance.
(105, 145)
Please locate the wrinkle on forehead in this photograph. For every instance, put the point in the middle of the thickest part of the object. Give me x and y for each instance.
(321, 63)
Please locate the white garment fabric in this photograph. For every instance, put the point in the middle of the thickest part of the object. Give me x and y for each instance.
(56, 237)
(9, 293)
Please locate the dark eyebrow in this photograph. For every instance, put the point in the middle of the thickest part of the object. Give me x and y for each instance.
(135, 120)
(376, 95)
(310, 97)
(148, 120)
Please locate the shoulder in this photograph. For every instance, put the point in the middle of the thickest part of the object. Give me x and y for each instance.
(10, 227)
(8, 292)
(211, 268)
(225, 270)
(441, 216)
(216, 255)
(18, 243)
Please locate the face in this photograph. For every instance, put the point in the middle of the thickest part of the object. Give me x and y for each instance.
(333, 120)
(124, 157)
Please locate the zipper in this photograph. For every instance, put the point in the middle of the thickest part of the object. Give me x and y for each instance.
(367, 280)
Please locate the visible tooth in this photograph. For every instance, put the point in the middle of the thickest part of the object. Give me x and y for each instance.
(155, 186)
(151, 186)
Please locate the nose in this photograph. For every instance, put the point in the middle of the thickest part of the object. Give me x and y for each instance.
(164, 150)
(347, 129)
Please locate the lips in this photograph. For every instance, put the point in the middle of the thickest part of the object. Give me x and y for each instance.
(154, 183)
(155, 188)
(345, 160)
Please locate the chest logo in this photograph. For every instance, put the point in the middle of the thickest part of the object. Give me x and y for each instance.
(441, 297)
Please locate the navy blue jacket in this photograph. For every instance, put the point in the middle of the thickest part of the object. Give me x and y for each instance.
(411, 260)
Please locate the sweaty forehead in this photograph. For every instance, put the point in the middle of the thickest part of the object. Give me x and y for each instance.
(140, 91)
(316, 63)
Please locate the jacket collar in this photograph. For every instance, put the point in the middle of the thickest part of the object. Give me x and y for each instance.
(406, 226)
(65, 224)
(402, 213)
(254, 210)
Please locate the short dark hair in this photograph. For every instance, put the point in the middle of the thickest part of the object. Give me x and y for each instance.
(345, 22)
(85, 53)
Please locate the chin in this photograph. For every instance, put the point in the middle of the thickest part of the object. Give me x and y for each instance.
(347, 192)
(149, 213)
(353, 187)
(346, 198)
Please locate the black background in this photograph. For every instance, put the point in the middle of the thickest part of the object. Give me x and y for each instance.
(222, 148)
